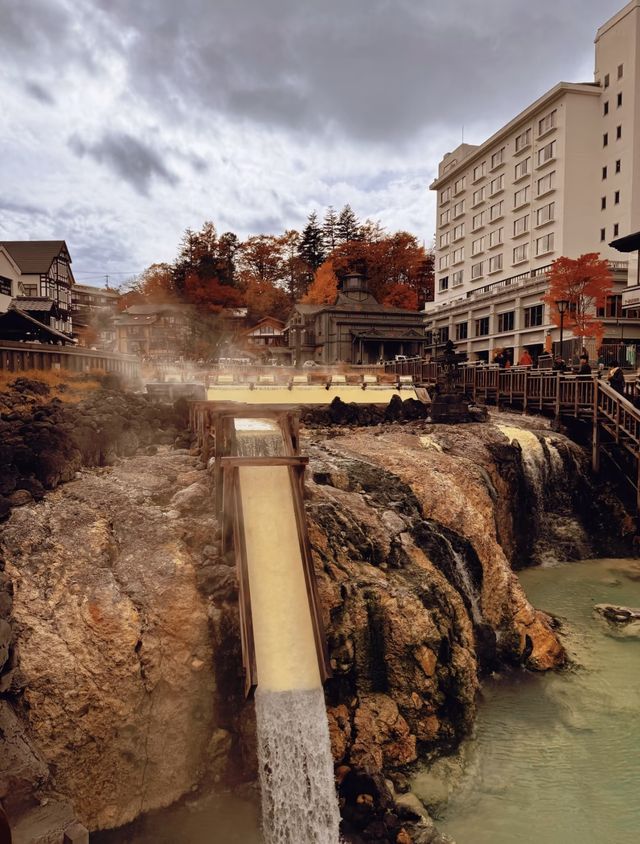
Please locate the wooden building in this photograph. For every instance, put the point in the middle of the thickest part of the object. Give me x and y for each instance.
(357, 329)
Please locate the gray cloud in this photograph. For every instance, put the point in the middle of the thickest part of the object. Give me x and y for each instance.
(367, 69)
(254, 112)
(39, 92)
(128, 157)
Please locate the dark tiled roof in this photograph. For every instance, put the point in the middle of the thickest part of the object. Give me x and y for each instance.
(16, 314)
(36, 303)
(34, 256)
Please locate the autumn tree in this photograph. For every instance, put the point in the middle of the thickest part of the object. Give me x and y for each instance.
(324, 288)
(401, 296)
(266, 299)
(261, 257)
(585, 283)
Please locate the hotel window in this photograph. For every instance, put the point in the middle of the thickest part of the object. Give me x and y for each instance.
(496, 185)
(619, 100)
(506, 321)
(521, 225)
(496, 237)
(495, 263)
(478, 196)
(606, 80)
(618, 132)
(458, 209)
(445, 196)
(523, 140)
(479, 171)
(445, 217)
(497, 158)
(544, 244)
(459, 185)
(547, 123)
(444, 240)
(443, 284)
(476, 270)
(477, 246)
(605, 108)
(482, 326)
(545, 214)
(604, 172)
(533, 316)
(616, 229)
(443, 263)
(458, 231)
(496, 211)
(458, 255)
(546, 183)
(603, 234)
(522, 168)
(620, 71)
(521, 196)
(520, 253)
(479, 220)
(618, 165)
(605, 139)
(616, 198)
(457, 278)
(546, 153)
(462, 330)
(603, 203)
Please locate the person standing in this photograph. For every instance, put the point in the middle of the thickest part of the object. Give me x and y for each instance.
(525, 358)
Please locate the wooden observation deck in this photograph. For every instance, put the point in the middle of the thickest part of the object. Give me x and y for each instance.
(614, 417)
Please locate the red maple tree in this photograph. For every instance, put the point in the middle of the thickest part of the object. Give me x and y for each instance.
(584, 283)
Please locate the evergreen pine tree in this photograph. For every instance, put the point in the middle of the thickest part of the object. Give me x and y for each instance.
(311, 250)
(329, 230)
(348, 227)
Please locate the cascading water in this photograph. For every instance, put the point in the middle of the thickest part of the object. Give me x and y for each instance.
(299, 802)
(464, 582)
(296, 769)
(549, 481)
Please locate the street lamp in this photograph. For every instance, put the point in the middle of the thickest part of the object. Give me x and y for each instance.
(562, 305)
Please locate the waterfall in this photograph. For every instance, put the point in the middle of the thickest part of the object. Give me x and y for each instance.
(465, 584)
(558, 533)
(299, 801)
(258, 438)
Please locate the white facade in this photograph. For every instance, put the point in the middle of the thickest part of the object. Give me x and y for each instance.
(561, 178)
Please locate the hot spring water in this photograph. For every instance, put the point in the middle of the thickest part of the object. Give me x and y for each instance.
(299, 802)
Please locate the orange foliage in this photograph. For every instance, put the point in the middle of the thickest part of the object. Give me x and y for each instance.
(584, 282)
(324, 288)
(265, 299)
(401, 296)
(208, 293)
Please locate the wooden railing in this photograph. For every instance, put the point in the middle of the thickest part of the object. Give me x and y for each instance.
(615, 417)
(18, 357)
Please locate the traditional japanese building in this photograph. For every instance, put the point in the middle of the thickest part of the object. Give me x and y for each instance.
(37, 275)
(357, 329)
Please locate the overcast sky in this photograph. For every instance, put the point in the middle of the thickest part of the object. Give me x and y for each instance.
(123, 122)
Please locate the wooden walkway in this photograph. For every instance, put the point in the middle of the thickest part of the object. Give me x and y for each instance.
(615, 419)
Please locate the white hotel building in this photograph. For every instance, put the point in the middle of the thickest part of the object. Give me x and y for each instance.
(560, 179)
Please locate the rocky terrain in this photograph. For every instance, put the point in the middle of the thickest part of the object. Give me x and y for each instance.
(120, 668)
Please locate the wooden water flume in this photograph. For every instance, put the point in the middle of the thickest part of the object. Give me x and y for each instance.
(260, 501)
